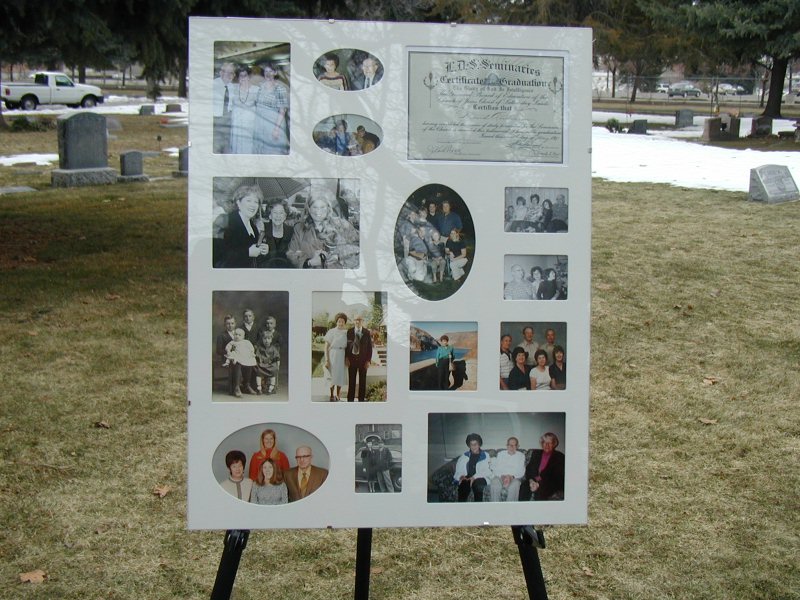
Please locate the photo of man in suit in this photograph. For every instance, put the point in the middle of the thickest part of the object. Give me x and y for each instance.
(372, 74)
(358, 356)
(223, 95)
(304, 479)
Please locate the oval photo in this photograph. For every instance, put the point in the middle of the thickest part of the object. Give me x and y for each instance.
(347, 135)
(271, 464)
(434, 242)
(348, 70)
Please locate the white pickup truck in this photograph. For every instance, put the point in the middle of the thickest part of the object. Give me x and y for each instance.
(50, 87)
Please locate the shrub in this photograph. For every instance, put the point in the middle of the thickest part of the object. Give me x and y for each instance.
(613, 125)
(25, 124)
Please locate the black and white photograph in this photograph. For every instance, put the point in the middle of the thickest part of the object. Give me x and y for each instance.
(434, 242)
(534, 277)
(285, 223)
(443, 356)
(533, 355)
(347, 135)
(348, 70)
(496, 457)
(250, 358)
(379, 458)
(271, 464)
(251, 97)
(348, 346)
(536, 210)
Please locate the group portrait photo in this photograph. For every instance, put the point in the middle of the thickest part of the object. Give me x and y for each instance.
(348, 346)
(536, 210)
(534, 277)
(250, 97)
(496, 457)
(533, 355)
(250, 346)
(347, 135)
(348, 70)
(285, 223)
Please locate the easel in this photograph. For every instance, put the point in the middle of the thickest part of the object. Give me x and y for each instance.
(526, 537)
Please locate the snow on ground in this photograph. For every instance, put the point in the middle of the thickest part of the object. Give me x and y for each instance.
(662, 156)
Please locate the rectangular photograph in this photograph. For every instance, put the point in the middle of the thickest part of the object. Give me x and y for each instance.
(496, 457)
(250, 357)
(536, 210)
(533, 355)
(379, 458)
(251, 97)
(443, 356)
(534, 277)
(285, 223)
(348, 349)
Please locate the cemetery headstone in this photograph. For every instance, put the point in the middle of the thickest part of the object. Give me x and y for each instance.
(639, 126)
(684, 118)
(173, 108)
(711, 129)
(762, 126)
(131, 166)
(772, 184)
(183, 163)
(82, 151)
(147, 109)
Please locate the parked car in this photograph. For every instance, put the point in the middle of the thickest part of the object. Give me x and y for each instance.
(662, 88)
(683, 89)
(396, 469)
(50, 87)
(729, 89)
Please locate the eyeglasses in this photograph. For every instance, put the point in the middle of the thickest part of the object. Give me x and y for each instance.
(303, 456)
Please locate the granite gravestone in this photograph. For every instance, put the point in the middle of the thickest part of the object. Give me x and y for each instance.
(183, 163)
(173, 108)
(82, 151)
(712, 129)
(639, 126)
(131, 166)
(147, 109)
(762, 126)
(684, 118)
(772, 184)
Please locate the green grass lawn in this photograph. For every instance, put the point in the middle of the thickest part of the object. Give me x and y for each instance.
(695, 431)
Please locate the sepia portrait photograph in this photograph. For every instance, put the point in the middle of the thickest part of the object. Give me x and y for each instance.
(285, 223)
(250, 360)
(250, 104)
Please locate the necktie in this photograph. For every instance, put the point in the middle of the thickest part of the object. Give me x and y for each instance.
(303, 483)
(225, 101)
(369, 82)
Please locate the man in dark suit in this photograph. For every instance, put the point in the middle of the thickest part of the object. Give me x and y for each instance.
(358, 356)
(223, 88)
(223, 339)
(372, 74)
(304, 479)
(544, 475)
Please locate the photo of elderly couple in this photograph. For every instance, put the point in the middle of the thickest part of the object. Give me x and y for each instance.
(250, 358)
(250, 97)
(270, 464)
(496, 457)
(285, 223)
(532, 277)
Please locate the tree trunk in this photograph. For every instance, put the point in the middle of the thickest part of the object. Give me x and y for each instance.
(81, 73)
(3, 124)
(635, 88)
(182, 71)
(614, 82)
(773, 108)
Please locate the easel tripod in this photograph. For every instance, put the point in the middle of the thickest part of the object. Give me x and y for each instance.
(526, 537)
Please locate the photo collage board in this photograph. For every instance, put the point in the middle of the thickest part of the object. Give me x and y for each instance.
(389, 233)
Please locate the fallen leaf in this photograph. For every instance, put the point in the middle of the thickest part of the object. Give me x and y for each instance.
(161, 490)
(33, 333)
(664, 476)
(710, 380)
(677, 306)
(689, 307)
(714, 293)
(113, 296)
(705, 421)
(29, 259)
(587, 571)
(36, 576)
(376, 570)
(102, 425)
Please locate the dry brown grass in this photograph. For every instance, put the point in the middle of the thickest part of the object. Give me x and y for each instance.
(686, 284)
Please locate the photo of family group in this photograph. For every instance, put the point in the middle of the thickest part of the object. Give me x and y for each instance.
(534, 277)
(348, 69)
(270, 464)
(348, 346)
(434, 242)
(496, 457)
(347, 135)
(533, 356)
(443, 355)
(250, 359)
(379, 458)
(536, 210)
(250, 97)
(285, 223)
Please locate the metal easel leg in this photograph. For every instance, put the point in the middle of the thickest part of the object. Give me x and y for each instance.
(528, 540)
(235, 543)
(363, 561)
